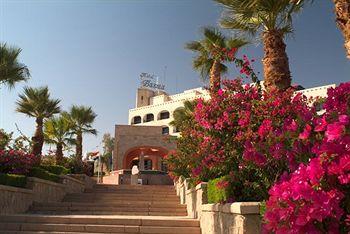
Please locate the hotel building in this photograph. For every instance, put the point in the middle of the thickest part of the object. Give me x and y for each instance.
(146, 139)
(155, 108)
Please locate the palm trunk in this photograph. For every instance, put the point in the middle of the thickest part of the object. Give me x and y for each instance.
(275, 61)
(59, 153)
(79, 147)
(38, 138)
(215, 79)
(342, 11)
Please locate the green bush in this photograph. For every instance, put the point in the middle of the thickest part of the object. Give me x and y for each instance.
(56, 169)
(45, 175)
(216, 194)
(13, 180)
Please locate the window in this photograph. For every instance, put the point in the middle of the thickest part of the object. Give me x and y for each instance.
(319, 106)
(136, 120)
(149, 118)
(165, 130)
(164, 115)
(148, 164)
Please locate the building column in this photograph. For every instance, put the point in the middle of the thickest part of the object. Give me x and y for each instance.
(142, 162)
(159, 163)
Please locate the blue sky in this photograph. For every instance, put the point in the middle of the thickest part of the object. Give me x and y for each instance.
(92, 52)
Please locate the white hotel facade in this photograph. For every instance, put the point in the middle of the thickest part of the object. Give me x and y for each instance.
(156, 108)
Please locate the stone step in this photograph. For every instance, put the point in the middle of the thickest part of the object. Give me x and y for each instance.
(105, 220)
(95, 228)
(96, 224)
(117, 199)
(129, 191)
(155, 204)
(101, 212)
(106, 194)
(98, 208)
(128, 186)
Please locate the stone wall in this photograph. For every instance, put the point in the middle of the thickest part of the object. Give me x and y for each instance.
(14, 200)
(231, 218)
(73, 185)
(45, 191)
(89, 182)
(18, 200)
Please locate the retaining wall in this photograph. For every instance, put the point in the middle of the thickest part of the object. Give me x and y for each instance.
(18, 200)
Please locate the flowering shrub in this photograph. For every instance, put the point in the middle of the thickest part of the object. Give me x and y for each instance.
(16, 162)
(254, 137)
(315, 198)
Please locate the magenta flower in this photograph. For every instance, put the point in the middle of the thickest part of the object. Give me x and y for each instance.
(321, 124)
(334, 131)
(220, 92)
(306, 133)
(344, 119)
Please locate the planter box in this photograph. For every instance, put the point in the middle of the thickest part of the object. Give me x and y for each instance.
(231, 218)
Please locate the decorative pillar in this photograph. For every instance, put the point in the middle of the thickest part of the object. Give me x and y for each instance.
(142, 161)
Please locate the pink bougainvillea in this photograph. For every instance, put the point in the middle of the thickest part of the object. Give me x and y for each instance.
(315, 199)
(16, 161)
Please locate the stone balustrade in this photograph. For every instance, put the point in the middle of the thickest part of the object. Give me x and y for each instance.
(18, 200)
(230, 218)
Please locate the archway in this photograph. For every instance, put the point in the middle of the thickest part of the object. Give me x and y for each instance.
(151, 157)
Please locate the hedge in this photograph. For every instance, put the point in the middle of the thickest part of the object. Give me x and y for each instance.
(56, 169)
(45, 175)
(13, 180)
(216, 194)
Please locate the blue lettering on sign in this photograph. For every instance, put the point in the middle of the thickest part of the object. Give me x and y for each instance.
(147, 80)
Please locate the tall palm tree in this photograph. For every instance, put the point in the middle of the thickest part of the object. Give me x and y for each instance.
(272, 19)
(11, 70)
(57, 132)
(342, 11)
(37, 103)
(81, 118)
(210, 59)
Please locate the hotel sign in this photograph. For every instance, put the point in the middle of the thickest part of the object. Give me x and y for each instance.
(150, 81)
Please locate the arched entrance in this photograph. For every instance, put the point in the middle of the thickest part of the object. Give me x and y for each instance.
(146, 157)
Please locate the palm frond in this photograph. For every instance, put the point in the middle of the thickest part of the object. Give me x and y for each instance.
(36, 102)
(11, 70)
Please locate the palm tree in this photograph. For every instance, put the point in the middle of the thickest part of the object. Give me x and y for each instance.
(273, 20)
(57, 132)
(342, 11)
(81, 118)
(183, 114)
(37, 103)
(11, 70)
(210, 58)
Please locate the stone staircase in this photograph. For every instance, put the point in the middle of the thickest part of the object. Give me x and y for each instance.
(107, 209)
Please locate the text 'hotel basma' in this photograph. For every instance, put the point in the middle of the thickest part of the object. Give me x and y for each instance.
(156, 108)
